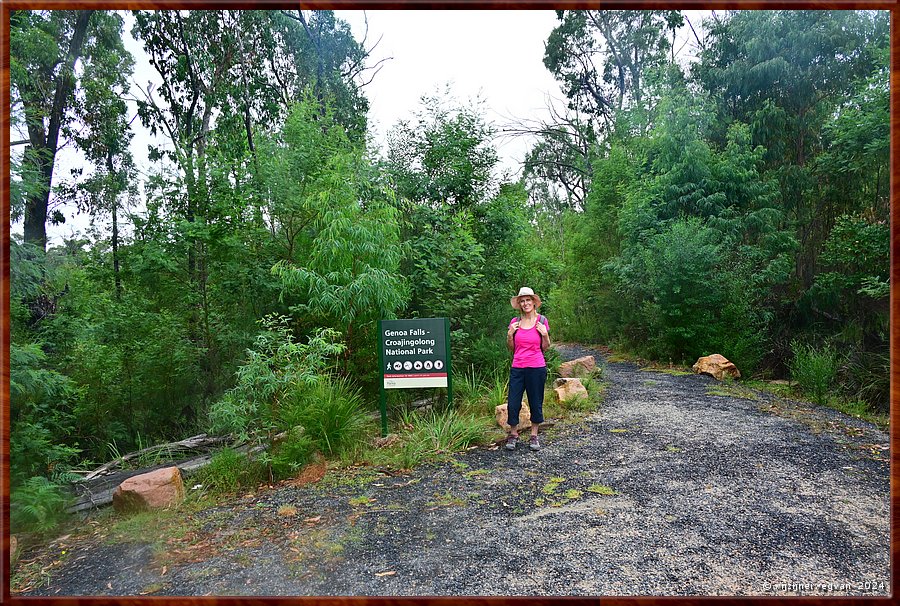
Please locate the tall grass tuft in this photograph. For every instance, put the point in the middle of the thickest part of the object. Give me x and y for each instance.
(436, 435)
(480, 394)
(331, 413)
(814, 369)
(868, 377)
(466, 385)
(228, 471)
(495, 392)
(551, 356)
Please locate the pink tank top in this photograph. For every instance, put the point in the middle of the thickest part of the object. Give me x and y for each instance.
(527, 346)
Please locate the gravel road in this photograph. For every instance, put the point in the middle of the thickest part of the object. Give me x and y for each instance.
(710, 495)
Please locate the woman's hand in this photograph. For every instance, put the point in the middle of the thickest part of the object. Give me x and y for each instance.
(542, 329)
(512, 329)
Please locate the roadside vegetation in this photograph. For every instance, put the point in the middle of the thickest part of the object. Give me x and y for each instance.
(349, 451)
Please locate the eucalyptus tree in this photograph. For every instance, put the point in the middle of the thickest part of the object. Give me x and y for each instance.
(194, 53)
(228, 80)
(281, 55)
(785, 71)
(442, 167)
(105, 138)
(444, 156)
(562, 157)
(237, 72)
(46, 49)
(602, 58)
(608, 64)
(326, 58)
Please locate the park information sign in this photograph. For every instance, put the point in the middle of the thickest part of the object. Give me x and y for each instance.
(414, 354)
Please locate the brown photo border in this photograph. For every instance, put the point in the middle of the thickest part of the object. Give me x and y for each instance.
(894, 440)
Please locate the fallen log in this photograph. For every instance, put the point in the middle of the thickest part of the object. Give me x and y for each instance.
(97, 490)
(198, 442)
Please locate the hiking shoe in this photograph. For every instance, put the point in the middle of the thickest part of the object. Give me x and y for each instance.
(534, 443)
(511, 442)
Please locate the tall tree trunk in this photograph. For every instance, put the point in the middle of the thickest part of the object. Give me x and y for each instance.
(114, 206)
(42, 151)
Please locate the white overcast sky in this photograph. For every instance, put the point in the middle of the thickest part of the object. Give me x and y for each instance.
(494, 55)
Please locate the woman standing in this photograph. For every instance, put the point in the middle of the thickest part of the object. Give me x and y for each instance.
(527, 337)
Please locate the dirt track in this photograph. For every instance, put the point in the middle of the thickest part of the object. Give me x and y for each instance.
(712, 495)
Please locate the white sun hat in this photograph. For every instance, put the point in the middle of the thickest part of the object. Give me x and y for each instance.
(525, 292)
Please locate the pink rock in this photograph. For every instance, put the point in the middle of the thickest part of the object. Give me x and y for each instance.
(717, 366)
(502, 415)
(569, 389)
(153, 490)
(578, 367)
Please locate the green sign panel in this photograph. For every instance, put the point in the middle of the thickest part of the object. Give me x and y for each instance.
(414, 353)
(411, 354)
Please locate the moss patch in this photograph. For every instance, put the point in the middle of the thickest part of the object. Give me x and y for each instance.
(476, 472)
(601, 489)
(445, 499)
(361, 500)
(551, 486)
(678, 371)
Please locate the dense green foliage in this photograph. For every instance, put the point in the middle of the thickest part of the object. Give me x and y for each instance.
(737, 204)
(745, 207)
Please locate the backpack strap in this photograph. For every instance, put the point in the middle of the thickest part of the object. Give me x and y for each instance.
(543, 321)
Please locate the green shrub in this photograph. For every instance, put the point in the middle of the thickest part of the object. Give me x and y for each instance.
(275, 369)
(813, 369)
(331, 413)
(229, 471)
(745, 350)
(575, 318)
(290, 454)
(37, 506)
(489, 353)
(41, 419)
(674, 277)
